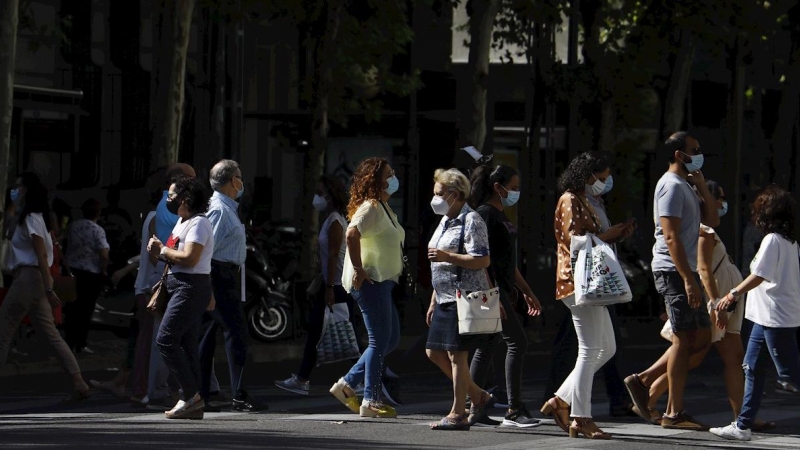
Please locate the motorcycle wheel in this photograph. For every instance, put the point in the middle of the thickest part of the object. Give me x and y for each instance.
(268, 324)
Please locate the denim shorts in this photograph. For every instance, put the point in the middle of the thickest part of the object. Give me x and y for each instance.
(683, 317)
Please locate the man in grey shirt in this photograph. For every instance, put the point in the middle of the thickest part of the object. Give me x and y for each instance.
(678, 212)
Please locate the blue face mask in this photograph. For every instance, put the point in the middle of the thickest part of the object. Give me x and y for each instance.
(723, 210)
(609, 185)
(696, 164)
(511, 200)
(14, 195)
(394, 185)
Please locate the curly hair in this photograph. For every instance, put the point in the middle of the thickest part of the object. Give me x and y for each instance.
(194, 192)
(774, 212)
(483, 180)
(367, 184)
(336, 190)
(574, 177)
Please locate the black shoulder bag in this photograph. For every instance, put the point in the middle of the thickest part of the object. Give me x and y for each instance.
(406, 269)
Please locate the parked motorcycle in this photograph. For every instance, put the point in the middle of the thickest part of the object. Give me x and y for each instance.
(268, 303)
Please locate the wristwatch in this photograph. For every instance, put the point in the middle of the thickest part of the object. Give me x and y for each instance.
(734, 293)
(48, 290)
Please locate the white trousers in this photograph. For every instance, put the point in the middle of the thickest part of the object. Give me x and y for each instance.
(596, 345)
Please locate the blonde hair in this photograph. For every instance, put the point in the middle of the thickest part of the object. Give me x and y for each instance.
(453, 180)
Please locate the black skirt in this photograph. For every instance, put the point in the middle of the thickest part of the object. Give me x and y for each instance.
(443, 332)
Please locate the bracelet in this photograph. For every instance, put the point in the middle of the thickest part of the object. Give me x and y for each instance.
(48, 290)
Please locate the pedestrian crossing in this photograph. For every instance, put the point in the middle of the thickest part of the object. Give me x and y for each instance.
(417, 415)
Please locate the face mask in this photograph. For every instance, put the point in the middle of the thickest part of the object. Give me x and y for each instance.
(723, 210)
(609, 185)
(394, 185)
(596, 188)
(696, 164)
(511, 200)
(240, 192)
(440, 205)
(14, 195)
(172, 206)
(319, 203)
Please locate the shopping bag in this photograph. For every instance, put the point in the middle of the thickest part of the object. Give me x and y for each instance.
(65, 288)
(598, 277)
(338, 340)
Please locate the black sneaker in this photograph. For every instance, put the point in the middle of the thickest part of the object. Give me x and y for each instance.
(520, 418)
(499, 398)
(478, 416)
(247, 405)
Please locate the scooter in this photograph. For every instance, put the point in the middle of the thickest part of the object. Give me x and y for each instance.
(268, 305)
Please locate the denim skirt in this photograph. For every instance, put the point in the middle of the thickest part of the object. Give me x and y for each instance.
(443, 332)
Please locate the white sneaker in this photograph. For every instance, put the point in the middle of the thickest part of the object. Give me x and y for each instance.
(785, 386)
(293, 385)
(732, 432)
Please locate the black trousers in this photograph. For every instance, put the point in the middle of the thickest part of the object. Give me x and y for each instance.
(78, 314)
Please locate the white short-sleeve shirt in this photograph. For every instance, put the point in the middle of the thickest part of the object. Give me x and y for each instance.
(199, 231)
(22, 252)
(776, 301)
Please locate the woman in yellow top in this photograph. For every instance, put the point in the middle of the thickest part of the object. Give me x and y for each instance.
(372, 267)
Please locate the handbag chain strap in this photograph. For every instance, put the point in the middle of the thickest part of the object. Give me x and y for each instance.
(402, 247)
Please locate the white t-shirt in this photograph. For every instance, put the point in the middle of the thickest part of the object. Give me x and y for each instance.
(199, 231)
(22, 252)
(776, 301)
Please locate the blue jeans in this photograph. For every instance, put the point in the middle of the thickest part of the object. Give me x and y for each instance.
(782, 347)
(383, 326)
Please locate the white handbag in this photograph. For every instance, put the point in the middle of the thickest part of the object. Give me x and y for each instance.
(479, 311)
(598, 277)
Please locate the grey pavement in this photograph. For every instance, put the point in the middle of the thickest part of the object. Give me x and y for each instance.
(31, 413)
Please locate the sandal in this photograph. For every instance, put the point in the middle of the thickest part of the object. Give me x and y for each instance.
(448, 423)
(588, 428)
(559, 409)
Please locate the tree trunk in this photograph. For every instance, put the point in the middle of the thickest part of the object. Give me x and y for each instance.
(675, 99)
(176, 25)
(472, 127)
(788, 110)
(9, 18)
(733, 147)
(325, 30)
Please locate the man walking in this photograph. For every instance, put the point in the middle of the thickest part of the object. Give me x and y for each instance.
(678, 212)
(229, 255)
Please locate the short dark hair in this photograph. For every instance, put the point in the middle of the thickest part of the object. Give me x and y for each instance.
(574, 177)
(91, 209)
(774, 212)
(676, 141)
(194, 192)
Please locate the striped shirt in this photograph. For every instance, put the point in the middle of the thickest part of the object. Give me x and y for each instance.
(229, 235)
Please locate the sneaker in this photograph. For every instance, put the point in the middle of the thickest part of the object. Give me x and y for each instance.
(478, 416)
(248, 405)
(293, 385)
(682, 421)
(520, 418)
(110, 386)
(500, 398)
(377, 409)
(785, 387)
(345, 394)
(732, 432)
(187, 409)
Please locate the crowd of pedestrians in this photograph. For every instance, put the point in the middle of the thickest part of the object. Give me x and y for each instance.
(195, 243)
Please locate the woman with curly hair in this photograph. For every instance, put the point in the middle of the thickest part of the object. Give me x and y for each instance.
(772, 305)
(330, 200)
(574, 216)
(372, 267)
(188, 253)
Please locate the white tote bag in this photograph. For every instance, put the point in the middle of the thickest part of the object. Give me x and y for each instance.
(338, 340)
(598, 277)
(479, 311)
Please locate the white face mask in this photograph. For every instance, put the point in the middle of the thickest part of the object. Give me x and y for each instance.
(439, 205)
(319, 203)
(596, 188)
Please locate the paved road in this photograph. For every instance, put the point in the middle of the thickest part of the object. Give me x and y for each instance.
(31, 413)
